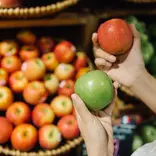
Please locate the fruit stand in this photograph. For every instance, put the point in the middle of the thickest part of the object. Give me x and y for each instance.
(37, 77)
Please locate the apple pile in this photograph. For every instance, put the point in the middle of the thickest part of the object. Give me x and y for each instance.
(37, 78)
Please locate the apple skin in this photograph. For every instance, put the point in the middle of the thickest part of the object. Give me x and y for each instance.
(42, 114)
(68, 127)
(96, 89)
(66, 87)
(3, 77)
(46, 44)
(81, 61)
(81, 72)
(11, 63)
(26, 37)
(61, 105)
(50, 61)
(9, 3)
(5, 130)
(137, 142)
(51, 83)
(24, 137)
(18, 113)
(65, 52)
(34, 69)
(18, 81)
(8, 48)
(35, 93)
(28, 52)
(65, 71)
(6, 98)
(49, 136)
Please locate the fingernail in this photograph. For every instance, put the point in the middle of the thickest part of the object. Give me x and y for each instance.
(73, 96)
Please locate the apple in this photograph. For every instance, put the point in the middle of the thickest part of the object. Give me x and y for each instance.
(50, 61)
(115, 36)
(34, 69)
(18, 113)
(66, 87)
(11, 63)
(68, 127)
(9, 3)
(8, 48)
(26, 37)
(18, 81)
(5, 130)
(35, 93)
(95, 88)
(65, 71)
(46, 44)
(61, 105)
(3, 77)
(6, 98)
(74, 112)
(137, 142)
(42, 114)
(51, 83)
(148, 133)
(81, 72)
(49, 136)
(28, 52)
(81, 61)
(24, 137)
(65, 52)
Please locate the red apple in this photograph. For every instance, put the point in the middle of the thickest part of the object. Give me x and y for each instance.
(6, 98)
(49, 137)
(3, 77)
(61, 105)
(24, 137)
(35, 93)
(8, 48)
(18, 81)
(28, 52)
(9, 3)
(18, 113)
(64, 71)
(81, 72)
(26, 37)
(74, 112)
(46, 44)
(65, 52)
(42, 114)
(50, 61)
(81, 61)
(51, 83)
(5, 130)
(115, 36)
(34, 69)
(11, 63)
(66, 87)
(68, 127)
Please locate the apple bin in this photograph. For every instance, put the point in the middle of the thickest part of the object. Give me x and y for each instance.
(37, 78)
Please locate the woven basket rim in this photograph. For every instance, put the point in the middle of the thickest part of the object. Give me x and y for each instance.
(37, 11)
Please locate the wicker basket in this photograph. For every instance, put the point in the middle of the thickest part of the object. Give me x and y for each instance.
(36, 11)
(142, 1)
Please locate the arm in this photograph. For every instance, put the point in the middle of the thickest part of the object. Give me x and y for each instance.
(145, 89)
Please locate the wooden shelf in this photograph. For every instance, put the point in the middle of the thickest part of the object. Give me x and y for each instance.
(65, 19)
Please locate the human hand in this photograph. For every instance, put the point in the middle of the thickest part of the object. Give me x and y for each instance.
(96, 127)
(125, 69)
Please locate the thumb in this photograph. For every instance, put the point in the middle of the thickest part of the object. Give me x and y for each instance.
(81, 110)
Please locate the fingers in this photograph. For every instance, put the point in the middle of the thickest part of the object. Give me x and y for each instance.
(80, 108)
(94, 40)
(108, 57)
(102, 62)
(136, 34)
(116, 85)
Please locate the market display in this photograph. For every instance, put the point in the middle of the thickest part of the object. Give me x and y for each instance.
(37, 78)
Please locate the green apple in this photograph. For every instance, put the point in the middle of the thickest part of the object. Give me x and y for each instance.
(95, 89)
(137, 142)
(148, 133)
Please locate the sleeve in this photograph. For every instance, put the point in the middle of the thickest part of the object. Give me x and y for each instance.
(148, 149)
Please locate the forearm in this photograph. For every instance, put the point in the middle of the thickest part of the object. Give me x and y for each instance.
(145, 89)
